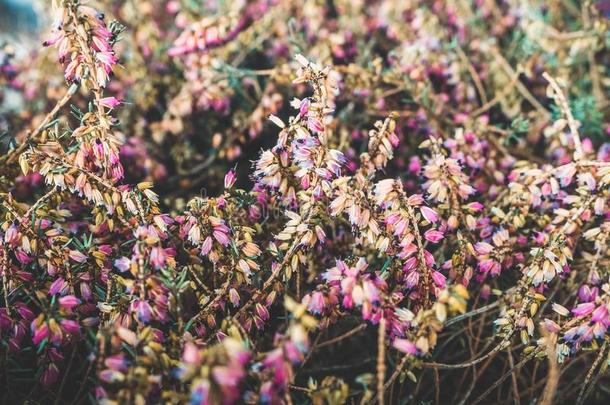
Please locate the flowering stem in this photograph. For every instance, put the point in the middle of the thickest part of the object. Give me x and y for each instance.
(86, 49)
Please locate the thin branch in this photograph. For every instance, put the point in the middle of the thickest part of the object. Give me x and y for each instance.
(505, 376)
(472, 313)
(381, 361)
(341, 337)
(582, 395)
(520, 86)
(473, 73)
(560, 98)
(10, 158)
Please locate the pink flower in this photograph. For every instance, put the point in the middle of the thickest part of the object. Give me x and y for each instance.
(49, 376)
(433, 235)
(428, 213)
(483, 248)
(230, 179)
(587, 294)
(143, 310)
(100, 44)
(58, 286)
(110, 102)
(23, 257)
(475, 206)
(316, 302)
(490, 266)
(206, 246)
(600, 314)
(226, 376)
(11, 236)
(221, 236)
(68, 302)
(157, 257)
(117, 362)
(429, 258)
(122, 263)
(40, 332)
(405, 346)
(551, 326)
(314, 124)
(583, 309)
(262, 311)
(191, 354)
(412, 279)
(77, 256)
(415, 165)
(439, 279)
(234, 297)
(565, 174)
(410, 264)
(70, 326)
(56, 35)
(24, 311)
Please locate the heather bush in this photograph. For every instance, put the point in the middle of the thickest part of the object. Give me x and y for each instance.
(316, 202)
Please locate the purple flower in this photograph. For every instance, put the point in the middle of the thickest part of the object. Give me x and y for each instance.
(405, 346)
(583, 309)
(123, 264)
(58, 286)
(68, 302)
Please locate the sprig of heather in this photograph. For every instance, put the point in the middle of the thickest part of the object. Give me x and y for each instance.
(308, 164)
(186, 305)
(213, 32)
(86, 165)
(84, 43)
(576, 194)
(389, 220)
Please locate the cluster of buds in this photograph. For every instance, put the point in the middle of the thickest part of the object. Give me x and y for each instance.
(276, 370)
(214, 373)
(423, 328)
(212, 32)
(447, 184)
(84, 42)
(355, 288)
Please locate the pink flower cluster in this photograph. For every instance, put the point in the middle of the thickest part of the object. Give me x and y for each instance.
(85, 55)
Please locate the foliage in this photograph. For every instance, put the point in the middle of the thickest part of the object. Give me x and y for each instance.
(417, 210)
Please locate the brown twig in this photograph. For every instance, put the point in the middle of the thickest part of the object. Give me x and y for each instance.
(10, 157)
(520, 86)
(582, 395)
(504, 376)
(473, 73)
(381, 361)
(339, 338)
(565, 109)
